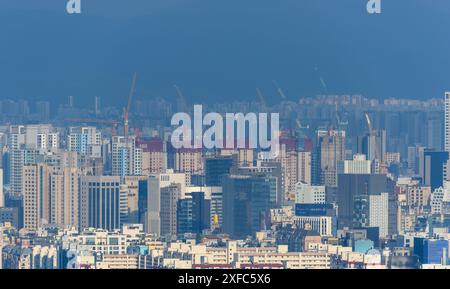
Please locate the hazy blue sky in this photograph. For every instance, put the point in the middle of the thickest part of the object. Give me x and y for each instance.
(223, 49)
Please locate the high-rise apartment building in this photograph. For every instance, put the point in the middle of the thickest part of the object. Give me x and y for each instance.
(288, 157)
(447, 122)
(379, 213)
(64, 197)
(25, 143)
(154, 157)
(126, 157)
(189, 161)
(85, 140)
(304, 167)
(330, 150)
(36, 195)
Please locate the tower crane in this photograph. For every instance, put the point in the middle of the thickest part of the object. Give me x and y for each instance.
(181, 100)
(262, 100)
(279, 90)
(114, 124)
(126, 110)
(373, 134)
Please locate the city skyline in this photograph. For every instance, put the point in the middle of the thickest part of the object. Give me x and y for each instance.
(240, 134)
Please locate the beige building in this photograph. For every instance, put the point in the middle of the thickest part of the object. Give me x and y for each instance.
(64, 197)
(189, 161)
(332, 150)
(304, 167)
(154, 157)
(36, 195)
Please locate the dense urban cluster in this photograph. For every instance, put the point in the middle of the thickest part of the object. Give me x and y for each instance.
(358, 183)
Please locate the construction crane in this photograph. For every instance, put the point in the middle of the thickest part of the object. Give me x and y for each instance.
(322, 81)
(279, 90)
(181, 100)
(114, 124)
(126, 110)
(300, 126)
(372, 134)
(369, 123)
(262, 100)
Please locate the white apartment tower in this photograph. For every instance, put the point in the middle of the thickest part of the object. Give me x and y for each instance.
(447, 133)
(126, 157)
(447, 121)
(85, 140)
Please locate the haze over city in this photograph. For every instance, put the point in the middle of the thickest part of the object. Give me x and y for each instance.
(223, 49)
(239, 134)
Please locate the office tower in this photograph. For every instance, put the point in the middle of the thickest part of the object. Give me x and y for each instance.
(130, 190)
(142, 201)
(359, 165)
(100, 204)
(379, 213)
(309, 194)
(246, 203)
(324, 225)
(188, 161)
(331, 150)
(126, 157)
(373, 145)
(304, 167)
(155, 184)
(271, 170)
(431, 168)
(216, 168)
(36, 195)
(85, 140)
(6, 155)
(64, 197)
(353, 198)
(213, 198)
(431, 251)
(193, 213)
(168, 215)
(154, 157)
